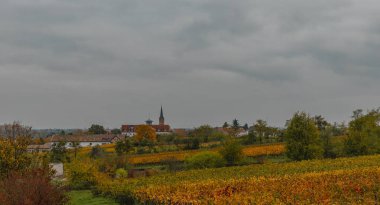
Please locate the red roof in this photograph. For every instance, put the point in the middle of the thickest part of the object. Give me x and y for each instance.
(158, 128)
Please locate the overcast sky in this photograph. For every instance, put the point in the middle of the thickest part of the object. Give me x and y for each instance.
(71, 63)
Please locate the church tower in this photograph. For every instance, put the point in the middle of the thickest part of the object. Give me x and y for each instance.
(162, 119)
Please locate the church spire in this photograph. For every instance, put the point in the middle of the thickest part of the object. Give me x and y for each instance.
(162, 119)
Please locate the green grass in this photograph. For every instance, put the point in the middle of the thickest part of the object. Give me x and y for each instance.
(85, 197)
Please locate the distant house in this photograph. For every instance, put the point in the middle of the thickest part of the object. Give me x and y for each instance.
(239, 133)
(40, 148)
(161, 128)
(83, 140)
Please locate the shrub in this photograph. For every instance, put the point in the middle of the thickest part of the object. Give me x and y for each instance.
(121, 173)
(232, 152)
(205, 160)
(81, 174)
(31, 187)
(97, 152)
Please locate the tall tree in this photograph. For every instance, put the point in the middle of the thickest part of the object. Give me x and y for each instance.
(58, 152)
(235, 124)
(303, 139)
(97, 129)
(245, 127)
(363, 134)
(145, 132)
(116, 131)
(320, 122)
(226, 125)
(261, 129)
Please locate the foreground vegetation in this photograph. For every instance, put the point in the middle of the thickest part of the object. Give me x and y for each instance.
(353, 180)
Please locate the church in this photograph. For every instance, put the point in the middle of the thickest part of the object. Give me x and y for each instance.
(161, 127)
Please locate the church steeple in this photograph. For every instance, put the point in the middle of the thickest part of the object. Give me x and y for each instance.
(162, 119)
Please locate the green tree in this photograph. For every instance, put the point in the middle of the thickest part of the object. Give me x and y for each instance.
(245, 127)
(327, 144)
(363, 134)
(235, 124)
(123, 146)
(97, 129)
(96, 152)
(226, 125)
(261, 129)
(75, 146)
(58, 152)
(320, 122)
(232, 152)
(251, 138)
(203, 133)
(116, 131)
(302, 138)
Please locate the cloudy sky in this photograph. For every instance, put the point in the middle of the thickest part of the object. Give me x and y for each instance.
(70, 63)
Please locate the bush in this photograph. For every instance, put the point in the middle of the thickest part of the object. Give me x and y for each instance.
(31, 187)
(232, 152)
(81, 174)
(205, 160)
(97, 152)
(121, 173)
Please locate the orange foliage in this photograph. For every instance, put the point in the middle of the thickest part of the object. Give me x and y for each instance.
(145, 132)
(335, 187)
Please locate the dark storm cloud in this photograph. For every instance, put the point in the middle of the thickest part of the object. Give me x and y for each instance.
(71, 63)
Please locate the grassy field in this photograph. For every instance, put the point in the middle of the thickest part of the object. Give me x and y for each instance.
(85, 197)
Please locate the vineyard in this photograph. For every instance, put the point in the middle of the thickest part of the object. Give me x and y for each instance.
(341, 181)
(250, 151)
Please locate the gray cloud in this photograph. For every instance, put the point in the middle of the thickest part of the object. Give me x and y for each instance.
(72, 63)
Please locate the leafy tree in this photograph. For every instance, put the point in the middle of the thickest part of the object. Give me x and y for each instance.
(235, 124)
(320, 122)
(58, 152)
(357, 114)
(261, 129)
(97, 129)
(327, 144)
(363, 133)
(116, 131)
(203, 132)
(232, 152)
(96, 152)
(251, 138)
(192, 143)
(226, 125)
(145, 132)
(245, 127)
(75, 146)
(14, 139)
(303, 139)
(123, 146)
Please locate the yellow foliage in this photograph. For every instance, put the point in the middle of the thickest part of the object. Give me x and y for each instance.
(340, 181)
(334, 187)
(13, 155)
(250, 151)
(145, 132)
